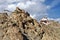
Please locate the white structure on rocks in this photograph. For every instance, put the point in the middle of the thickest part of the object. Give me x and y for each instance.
(44, 21)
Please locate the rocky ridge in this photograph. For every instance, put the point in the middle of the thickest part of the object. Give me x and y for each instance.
(20, 26)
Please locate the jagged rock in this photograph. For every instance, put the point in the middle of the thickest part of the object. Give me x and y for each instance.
(20, 26)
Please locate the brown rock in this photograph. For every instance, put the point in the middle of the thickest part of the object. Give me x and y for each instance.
(20, 26)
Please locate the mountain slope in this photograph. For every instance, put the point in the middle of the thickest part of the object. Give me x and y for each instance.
(20, 26)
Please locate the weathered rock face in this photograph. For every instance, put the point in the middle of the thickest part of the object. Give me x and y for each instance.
(20, 26)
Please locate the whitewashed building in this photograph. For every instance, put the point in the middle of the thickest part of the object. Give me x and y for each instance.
(44, 21)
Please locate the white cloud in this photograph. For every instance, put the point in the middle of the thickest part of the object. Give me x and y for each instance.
(11, 7)
(35, 7)
(57, 19)
(25, 5)
(38, 0)
(48, 7)
(21, 5)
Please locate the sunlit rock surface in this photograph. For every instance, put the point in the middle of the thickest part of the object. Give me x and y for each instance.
(20, 26)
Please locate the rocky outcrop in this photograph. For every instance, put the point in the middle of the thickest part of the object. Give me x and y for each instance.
(20, 26)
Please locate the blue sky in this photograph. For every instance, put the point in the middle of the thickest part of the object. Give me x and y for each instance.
(54, 12)
(36, 8)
